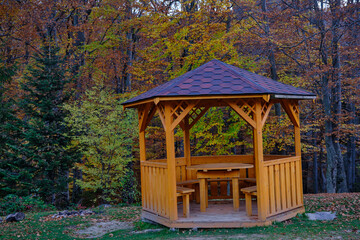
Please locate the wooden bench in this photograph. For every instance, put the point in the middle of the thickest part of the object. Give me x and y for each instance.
(184, 193)
(188, 182)
(249, 191)
(192, 183)
(248, 180)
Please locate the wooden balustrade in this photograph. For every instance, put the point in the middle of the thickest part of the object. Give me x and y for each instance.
(154, 195)
(283, 184)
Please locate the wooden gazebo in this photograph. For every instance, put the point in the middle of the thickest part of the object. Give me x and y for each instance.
(183, 101)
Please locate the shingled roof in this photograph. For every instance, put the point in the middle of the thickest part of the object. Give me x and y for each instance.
(218, 78)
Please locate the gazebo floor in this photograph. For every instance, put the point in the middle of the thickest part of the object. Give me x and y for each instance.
(219, 214)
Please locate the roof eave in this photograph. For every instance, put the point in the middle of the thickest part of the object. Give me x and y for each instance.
(156, 100)
(299, 97)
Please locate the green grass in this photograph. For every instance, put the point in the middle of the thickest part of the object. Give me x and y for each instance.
(345, 226)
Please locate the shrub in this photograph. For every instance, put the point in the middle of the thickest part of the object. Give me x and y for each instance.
(12, 203)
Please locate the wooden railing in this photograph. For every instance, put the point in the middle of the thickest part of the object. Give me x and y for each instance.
(180, 167)
(283, 189)
(154, 178)
(283, 185)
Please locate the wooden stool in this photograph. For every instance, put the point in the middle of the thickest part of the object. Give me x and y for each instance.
(249, 191)
(185, 192)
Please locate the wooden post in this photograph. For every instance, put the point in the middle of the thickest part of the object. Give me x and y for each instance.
(297, 140)
(292, 110)
(259, 161)
(235, 185)
(187, 152)
(203, 194)
(142, 147)
(171, 164)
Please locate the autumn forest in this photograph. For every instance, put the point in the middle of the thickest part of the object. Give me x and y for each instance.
(66, 67)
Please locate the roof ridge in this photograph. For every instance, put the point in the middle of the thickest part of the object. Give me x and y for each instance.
(181, 77)
(245, 78)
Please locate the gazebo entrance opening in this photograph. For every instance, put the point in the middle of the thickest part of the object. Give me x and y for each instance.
(273, 182)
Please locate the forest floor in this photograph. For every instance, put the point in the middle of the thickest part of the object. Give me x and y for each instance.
(129, 225)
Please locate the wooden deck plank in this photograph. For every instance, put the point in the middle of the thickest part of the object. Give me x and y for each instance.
(218, 211)
(219, 215)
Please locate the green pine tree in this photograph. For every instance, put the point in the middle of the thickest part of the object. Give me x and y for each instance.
(46, 142)
(13, 178)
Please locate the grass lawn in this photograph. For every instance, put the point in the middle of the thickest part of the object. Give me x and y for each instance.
(345, 226)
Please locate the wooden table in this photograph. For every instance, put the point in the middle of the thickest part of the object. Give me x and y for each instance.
(218, 170)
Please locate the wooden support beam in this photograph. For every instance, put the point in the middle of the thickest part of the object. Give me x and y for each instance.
(242, 114)
(266, 97)
(171, 164)
(288, 107)
(198, 117)
(148, 113)
(187, 151)
(190, 98)
(259, 164)
(297, 138)
(142, 147)
(266, 114)
(160, 111)
(142, 115)
(182, 115)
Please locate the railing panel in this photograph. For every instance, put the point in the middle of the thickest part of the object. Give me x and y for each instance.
(272, 189)
(154, 195)
(293, 186)
(287, 185)
(284, 184)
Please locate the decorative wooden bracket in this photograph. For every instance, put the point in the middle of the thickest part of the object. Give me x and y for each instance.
(291, 107)
(265, 110)
(245, 108)
(180, 110)
(145, 113)
(161, 111)
(195, 114)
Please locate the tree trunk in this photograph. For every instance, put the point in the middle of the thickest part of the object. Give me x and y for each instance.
(337, 91)
(335, 171)
(270, 49)
(315, 166)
